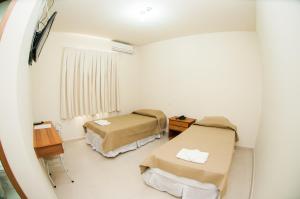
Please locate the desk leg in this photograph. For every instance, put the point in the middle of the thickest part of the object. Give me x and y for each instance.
(45, 162)
(66, 171)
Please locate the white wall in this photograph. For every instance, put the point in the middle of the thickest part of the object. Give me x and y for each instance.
(46, 80)
(277, 159)
(15, 101)
(208, 74)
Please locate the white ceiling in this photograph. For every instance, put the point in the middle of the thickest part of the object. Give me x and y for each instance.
(121, 20)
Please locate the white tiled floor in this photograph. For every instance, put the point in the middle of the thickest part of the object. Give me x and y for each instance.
(97, 177)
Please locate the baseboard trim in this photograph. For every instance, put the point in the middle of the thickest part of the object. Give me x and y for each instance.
(253, 175)
(253, 168)
(73, 139)
(243, 147)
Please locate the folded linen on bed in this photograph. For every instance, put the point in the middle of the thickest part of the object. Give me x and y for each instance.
(193, 155)
(102, 122)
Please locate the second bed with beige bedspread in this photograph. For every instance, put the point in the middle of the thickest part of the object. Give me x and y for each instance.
(218, 140)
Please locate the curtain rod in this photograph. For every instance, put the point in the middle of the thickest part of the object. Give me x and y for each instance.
(93, 49)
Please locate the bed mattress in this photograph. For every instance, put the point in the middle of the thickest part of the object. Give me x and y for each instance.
(218, 142)
(96, 141)
(179, 186)
(126, 129)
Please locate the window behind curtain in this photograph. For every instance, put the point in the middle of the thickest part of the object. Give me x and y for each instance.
(89, 83)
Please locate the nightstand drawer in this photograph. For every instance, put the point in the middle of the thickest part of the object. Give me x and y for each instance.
(177, 128)
(178, 123)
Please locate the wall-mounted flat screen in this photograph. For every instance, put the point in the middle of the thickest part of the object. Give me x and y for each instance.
(39, 40)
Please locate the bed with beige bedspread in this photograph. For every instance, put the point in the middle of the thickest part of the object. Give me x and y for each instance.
(126, 129)
(215, 135)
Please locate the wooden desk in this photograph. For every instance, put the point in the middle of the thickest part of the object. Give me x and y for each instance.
(177, 126)
(47, 142)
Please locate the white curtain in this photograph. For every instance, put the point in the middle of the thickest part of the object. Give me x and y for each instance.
(89, 83)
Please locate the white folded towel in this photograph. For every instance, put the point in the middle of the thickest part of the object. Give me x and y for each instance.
(193, 155)
(102, 122)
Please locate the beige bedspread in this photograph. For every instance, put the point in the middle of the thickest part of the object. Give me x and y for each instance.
(218, 142)
(129, 128)
(218, 122)
(159, 115)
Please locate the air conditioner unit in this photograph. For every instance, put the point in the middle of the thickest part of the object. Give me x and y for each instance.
(122, 47)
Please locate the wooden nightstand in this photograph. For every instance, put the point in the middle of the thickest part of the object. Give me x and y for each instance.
(177, 126)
